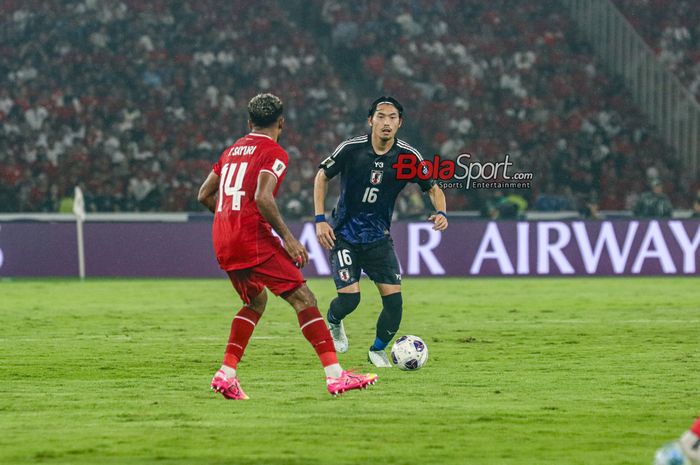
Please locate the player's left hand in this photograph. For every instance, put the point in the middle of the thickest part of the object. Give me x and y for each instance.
(440, 222)
(297, 252)
(325, 234)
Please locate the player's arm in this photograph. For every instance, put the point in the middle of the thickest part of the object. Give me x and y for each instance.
(437, 198)
(265, 200)
(207, 192)
(324, 232)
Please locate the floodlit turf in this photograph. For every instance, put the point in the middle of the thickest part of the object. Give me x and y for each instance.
(521, 371)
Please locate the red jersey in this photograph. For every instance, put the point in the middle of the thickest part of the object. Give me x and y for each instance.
(242, 237)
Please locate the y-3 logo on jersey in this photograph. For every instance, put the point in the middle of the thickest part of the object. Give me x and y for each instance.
(379, 164)
(376, 177)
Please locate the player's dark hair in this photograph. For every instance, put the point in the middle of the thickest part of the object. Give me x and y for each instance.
(264, 110)
(385, 99)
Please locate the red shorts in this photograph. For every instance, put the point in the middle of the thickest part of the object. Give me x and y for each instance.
(277, 273)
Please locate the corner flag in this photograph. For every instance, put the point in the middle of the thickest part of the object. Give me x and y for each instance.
(79, 204)
(79, 211)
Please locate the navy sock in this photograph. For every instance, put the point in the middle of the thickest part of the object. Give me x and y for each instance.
(342, 306)
(388, 321)
(331, 318)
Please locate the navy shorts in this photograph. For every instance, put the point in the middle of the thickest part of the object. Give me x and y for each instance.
(377, 259)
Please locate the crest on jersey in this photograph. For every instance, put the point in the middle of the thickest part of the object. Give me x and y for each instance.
(376, 177)
(278, 167)
(344, 274)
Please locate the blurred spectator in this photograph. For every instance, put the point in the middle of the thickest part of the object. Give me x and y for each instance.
(519, 202)
(588, 207)
(296, 202)
(500, 206)
(140, 188)
(654, 204)
(410, 204)
(554, 203)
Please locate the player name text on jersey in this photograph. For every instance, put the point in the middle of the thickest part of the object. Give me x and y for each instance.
(242, 150)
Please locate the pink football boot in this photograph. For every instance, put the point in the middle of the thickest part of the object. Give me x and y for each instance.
(348, 381)
(230, 388)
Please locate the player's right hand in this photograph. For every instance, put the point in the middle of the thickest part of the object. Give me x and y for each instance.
(325, 235)
(296, 251)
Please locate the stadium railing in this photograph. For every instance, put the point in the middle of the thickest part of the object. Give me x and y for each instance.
(656, 89)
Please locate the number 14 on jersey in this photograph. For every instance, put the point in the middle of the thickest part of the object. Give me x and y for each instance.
(234, 191)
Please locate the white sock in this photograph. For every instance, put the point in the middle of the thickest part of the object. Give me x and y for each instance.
(228, 371)
(333, 371)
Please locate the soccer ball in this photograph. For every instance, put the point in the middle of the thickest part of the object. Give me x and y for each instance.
(409, 353)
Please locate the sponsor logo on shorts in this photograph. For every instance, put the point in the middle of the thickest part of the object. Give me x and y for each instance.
(398, 277)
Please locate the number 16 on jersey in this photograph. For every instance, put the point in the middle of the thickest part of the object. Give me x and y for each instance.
(370, 195)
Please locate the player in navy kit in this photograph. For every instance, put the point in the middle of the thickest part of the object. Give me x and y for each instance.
(358, 232)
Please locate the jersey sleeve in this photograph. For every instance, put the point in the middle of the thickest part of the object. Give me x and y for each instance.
(275, 162)
(335, 162)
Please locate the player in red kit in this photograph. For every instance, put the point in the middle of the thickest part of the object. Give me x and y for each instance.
(247, 177)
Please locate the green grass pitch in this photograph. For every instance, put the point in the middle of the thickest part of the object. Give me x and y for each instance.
(521, 371)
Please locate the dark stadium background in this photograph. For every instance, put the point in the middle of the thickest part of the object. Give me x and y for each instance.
(134, 100)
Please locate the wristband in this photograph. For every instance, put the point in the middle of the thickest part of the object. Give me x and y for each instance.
(440, 212)
(321, 218)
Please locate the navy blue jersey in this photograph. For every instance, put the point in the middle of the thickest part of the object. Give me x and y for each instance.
(368, 188)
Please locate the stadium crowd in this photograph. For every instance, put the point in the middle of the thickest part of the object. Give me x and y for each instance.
(672, 30)
(501, 77)
(134, 100)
